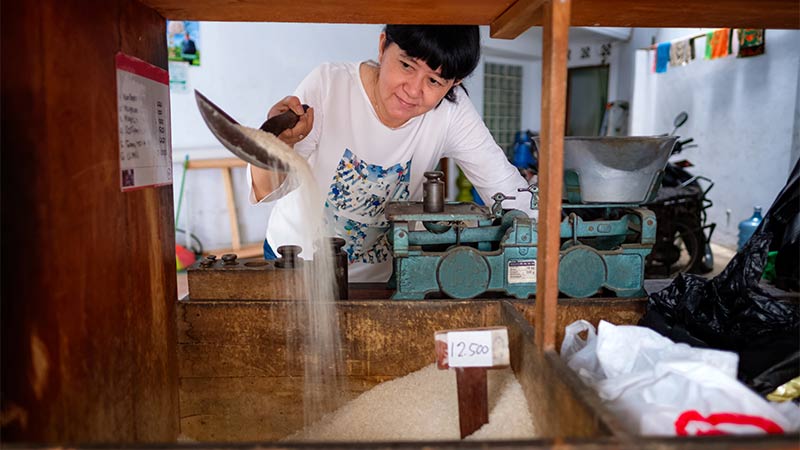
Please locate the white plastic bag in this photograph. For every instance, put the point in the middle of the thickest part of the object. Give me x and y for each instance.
(661, 388)
(624, 349)
(581, 355)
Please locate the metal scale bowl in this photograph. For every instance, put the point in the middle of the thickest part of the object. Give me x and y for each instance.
(466, 250)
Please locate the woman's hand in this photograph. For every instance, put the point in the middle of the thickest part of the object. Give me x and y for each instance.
(266, 181)
(304, 125)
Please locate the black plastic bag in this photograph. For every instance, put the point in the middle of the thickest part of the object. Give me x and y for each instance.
(732, 311)
(783, 221)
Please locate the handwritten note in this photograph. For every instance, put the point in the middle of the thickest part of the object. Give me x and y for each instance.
(475, 347)
(145, 147)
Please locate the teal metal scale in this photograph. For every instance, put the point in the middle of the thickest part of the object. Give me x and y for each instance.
(464, 250)
(467, 250)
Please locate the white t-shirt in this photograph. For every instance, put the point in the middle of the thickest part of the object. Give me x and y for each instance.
(361, 164)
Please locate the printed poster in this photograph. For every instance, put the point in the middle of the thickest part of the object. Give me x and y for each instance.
(183, 41)
(145, 144)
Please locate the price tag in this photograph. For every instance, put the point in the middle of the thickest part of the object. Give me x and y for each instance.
(477, 347)
(469, 348)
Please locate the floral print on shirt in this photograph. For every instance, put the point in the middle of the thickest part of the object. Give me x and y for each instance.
(356, 203)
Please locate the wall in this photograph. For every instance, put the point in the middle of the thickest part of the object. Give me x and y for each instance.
(247, 67)
(597, 56)
(742, 114)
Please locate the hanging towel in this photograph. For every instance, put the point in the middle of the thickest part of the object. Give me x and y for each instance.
(662, 57)
(718, 43)
(751, 42)
(681, 52)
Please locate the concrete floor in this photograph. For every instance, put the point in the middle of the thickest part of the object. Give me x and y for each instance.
(722, 256)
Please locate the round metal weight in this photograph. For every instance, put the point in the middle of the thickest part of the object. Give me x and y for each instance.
(463, 273)
(581, 272)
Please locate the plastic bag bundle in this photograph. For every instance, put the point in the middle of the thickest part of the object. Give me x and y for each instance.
(658, 387)
(732, 312)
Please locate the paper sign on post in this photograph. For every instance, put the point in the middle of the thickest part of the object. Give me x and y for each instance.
(469, 348)
(477, 347)
(472, 352)
(145, 144)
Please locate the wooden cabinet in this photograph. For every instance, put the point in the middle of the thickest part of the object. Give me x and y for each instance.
(88, 272)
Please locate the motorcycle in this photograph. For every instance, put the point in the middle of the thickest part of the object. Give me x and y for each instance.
(683, 234)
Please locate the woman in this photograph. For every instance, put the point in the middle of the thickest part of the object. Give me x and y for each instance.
(373, 129)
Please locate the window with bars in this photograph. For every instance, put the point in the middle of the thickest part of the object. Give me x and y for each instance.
(502, 103)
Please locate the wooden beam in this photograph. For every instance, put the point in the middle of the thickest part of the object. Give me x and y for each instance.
(517, 19)
(227, 181)
(555, 39)
(88, 320)
(773, 14)
(464, 12)
(215, 163)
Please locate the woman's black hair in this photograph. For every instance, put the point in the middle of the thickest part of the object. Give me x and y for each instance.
(454, 48)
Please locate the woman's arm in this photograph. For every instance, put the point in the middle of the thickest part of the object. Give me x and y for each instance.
(486, 166)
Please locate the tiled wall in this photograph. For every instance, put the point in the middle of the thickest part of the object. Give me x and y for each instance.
(502, 102)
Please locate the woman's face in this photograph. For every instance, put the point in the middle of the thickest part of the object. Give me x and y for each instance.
(406, 86)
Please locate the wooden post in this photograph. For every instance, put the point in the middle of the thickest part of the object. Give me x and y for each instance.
(555, 35)
(473, 399)
(474, 351)
(88, 280)
(236, 242)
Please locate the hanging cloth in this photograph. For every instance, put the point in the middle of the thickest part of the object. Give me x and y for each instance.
(751, 42)
(718, 43)
(681, 52)
(662, 57)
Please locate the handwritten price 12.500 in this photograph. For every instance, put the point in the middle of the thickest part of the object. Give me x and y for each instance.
(469, 348)
(461, 349)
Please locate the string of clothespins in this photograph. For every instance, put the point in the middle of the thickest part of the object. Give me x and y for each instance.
(719, 43)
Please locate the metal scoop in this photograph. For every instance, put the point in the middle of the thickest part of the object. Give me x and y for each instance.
(224, 127)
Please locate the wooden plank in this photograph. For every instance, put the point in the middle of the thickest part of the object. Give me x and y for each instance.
(473, 399)
(618, 311)
(775, 14)
(517, 19)
(215, 163)
(88, 305)
(241, 362)
(321, 11)
(555, 37)
(244, 251)
(230, 202)
(246, 280)
(560, 405)
(264, 327)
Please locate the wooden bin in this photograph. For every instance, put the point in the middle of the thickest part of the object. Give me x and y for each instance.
(88, 311)
(238, 382)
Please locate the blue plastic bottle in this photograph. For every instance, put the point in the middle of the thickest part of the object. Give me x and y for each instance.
(748, 227)
(523, 157)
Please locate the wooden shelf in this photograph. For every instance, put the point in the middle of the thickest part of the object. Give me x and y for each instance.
(245, 251)
(508, 18)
